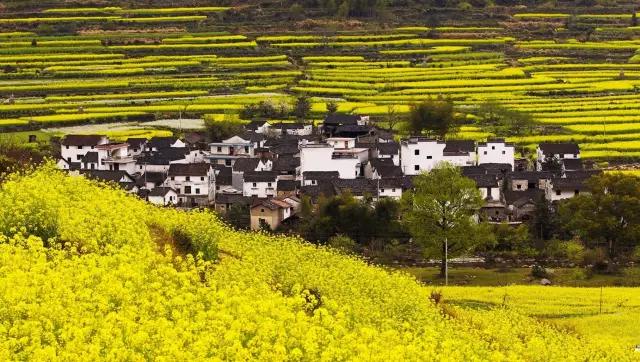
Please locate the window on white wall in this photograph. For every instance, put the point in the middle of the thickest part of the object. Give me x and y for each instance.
(416, 152)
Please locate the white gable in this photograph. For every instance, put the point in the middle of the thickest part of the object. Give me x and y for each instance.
(235, 139)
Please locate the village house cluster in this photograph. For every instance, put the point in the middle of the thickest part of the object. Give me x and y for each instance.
(271, 166)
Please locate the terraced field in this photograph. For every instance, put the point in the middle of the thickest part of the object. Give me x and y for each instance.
(119, 65)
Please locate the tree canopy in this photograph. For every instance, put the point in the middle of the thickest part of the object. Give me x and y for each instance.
(444, 206)
(607, 217)
(435, 117)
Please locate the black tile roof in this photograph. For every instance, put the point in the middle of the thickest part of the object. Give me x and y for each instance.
(245, 164)
(519, 198)
(357, 186)
(106, 175)
(162, 157)
(82, 140)
(484, 180)
(320, 175)
(323, 188)
(496, 168)
(189, 169)
(388, 148)
(559, 148)
(385, 167)
(336, 119)
(222, 198)
(473, 170)
(286, 163)
(223, 175)
(160, 191)
(162, 142)
(573, 164)
(90, 157)
(392, 182)
(260, 176)
(288, 185)
(136, 142)
(154, 177)
(531, 175)
(460, 146)
(569, 183)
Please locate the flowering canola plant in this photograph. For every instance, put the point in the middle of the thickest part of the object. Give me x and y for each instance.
(88, 272)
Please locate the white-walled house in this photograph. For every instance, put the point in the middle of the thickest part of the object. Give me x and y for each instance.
(564, 188)
(159, 143)
(115, 157)
(390, 187)
(496, 151)
(419, 154)
(389, 150)
(488, 186)
(260, 184)
(321, 157)
(292, 129)
(231, 149)
(163, 196)
(341, 142)
(559, 151)
(74, 147)
(261, 127)
(460, 152)
(194, 183)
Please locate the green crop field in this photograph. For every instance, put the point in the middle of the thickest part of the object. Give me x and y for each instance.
(118, 66)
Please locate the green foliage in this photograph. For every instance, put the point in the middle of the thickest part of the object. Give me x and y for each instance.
(608, 216)
(342, 243)
(503, 121)
(442, 211)
(265, 109)
(332, 107)
(435, 117)
(360, 220)
(238, 216)
(302, 107)
(221, 130)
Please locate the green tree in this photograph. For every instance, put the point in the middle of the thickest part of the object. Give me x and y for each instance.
(608, 216)
(303, 107)
(332, 107)
(503, 121)
(441, 213)
(435, 117)
(391, 117)
(553, 165)
(510, 242)
(343, 9)
(342, 243)
(220, 130)
(296, 12)
(238, 216)
(541, 224)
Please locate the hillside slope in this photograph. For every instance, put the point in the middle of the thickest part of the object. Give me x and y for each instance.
(85, 274)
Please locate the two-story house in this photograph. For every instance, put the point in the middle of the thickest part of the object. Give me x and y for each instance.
(419, 154)
(496, 151)
(322, 157)
(75, 147)
(260, 184)
(559, 151)
(232, 149)
(194, 183)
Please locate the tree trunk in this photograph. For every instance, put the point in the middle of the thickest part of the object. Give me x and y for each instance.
(443, 266)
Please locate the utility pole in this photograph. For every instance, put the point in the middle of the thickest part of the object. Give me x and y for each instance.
(446, 261)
